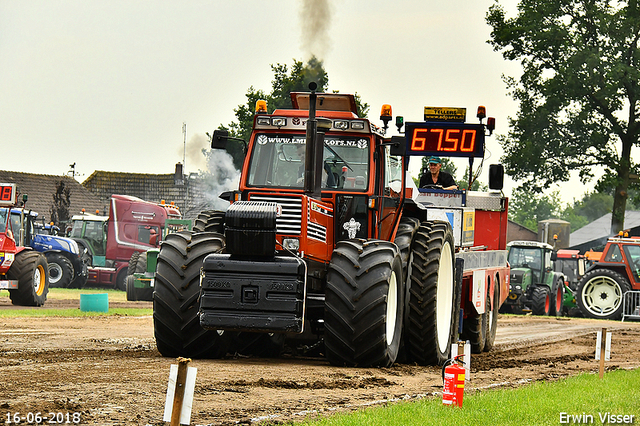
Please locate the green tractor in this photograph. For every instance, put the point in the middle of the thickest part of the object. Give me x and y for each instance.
(141, 274)
(533, 284)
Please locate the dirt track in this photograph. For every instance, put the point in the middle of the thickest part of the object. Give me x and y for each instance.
(108, 370)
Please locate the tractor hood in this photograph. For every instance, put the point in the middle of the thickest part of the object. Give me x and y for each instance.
(42, 242)
(520, 276)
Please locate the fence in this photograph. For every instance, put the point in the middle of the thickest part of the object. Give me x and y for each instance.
(631, 305)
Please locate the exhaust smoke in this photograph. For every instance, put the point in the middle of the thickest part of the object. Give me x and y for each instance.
(315, 17)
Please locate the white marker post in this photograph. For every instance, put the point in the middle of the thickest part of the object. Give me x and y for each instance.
(465, 348)
(603, 349)
(182, 384)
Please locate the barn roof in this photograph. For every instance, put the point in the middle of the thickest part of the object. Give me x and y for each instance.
(41, 189)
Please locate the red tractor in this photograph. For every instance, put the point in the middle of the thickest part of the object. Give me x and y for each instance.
(601, 290)
(328, 237)
(23, 271)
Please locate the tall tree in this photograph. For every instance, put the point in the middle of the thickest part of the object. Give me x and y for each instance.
(286, 80)
(578, 94)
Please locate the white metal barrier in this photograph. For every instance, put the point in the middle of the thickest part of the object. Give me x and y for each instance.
(631, 305)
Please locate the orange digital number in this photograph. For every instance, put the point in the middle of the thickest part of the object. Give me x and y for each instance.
(451, 140)
(468, 142)
(6, 193)
(418, 143)
(439, 132)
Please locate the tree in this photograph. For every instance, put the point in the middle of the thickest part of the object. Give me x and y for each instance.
(61, 203)
(528, 207)
(578, 94)
(285, 81)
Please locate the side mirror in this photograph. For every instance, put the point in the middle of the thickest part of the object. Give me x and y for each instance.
(496, 177)
(219, 139)
(398, 145)
(554, 256)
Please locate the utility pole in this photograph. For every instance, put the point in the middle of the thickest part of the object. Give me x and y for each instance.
(184, 166)
(184, 150)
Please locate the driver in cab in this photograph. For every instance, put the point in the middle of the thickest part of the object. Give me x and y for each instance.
(437, 177)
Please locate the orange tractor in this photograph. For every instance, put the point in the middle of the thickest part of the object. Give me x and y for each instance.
(23, 271)
(328, 239)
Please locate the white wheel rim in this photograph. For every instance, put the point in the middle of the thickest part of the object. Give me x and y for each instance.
(55, 273)
(392, 307)
(38, 286)
(444, 297)
(602, 296)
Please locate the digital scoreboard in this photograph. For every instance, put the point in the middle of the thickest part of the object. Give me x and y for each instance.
(8, 194)
(448, 139)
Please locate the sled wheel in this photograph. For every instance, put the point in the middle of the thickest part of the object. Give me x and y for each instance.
(492, 319)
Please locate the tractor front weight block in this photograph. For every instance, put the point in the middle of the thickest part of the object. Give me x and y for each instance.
(253, 294)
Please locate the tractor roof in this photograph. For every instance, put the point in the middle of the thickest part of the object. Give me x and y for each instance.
(529, 244)
(325, 101)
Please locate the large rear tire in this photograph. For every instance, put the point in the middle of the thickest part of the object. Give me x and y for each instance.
(210, 221)
(541, 301)
(600, 293)
(406, 230)
(176, 297)
(430, 318)
(32, 272)
(364, 304)
(133, 263)
(61, 270)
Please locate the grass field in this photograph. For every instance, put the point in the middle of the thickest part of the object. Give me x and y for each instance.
(581, 399)
(74, 294)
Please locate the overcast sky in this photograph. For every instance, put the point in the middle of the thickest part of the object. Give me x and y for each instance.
(108, 84)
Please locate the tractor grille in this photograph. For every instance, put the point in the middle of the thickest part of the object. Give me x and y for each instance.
(289, 221)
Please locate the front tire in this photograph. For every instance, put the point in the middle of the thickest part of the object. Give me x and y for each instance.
(176, 321)
(600, 294)
(61, 270)
(32, 272)
(130, 288)
(540, 301)
(430, 319)
(558, 299)
(364, 304)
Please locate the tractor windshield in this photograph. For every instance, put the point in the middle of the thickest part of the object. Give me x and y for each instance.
(278, 161)
(526, 257)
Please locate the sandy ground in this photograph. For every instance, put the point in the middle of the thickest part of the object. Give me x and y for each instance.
(108, 370)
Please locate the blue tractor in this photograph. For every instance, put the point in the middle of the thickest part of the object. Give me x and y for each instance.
(66, 265)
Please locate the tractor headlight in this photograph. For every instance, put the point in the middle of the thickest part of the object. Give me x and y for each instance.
(291, 244)
(278, 121)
